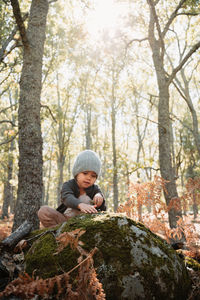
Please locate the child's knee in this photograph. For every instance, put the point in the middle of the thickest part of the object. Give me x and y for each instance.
(43, 211)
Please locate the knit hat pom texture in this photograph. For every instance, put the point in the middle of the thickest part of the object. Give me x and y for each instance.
(87, 160)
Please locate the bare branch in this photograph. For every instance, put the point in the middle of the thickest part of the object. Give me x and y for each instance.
(47, 107)
(182, 123)
(172, 17)
(144, 168)
(3, 52)
(4, 91)
(10, 140)
(6, 43)
(188, 14)
(180, 92)
(7, 121)
(20, 23)
(136, 40)
(162, 45)
(52, 1)
(4, 109)
(187, 56)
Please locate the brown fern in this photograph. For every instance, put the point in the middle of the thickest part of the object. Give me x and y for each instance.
(87, 285)
(141, 194)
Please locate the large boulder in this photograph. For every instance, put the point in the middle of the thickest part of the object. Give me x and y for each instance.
(132, 262)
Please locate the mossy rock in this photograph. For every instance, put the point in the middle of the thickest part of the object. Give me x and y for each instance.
(131, 261)
(192, 263)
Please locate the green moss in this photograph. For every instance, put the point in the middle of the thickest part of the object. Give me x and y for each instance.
(192, 263)
(106, 227)
(125, 248)
(38, 257)
(43, 260)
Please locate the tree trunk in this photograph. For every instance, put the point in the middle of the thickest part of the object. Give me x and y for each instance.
(7, 193)
(165, 147)
(46, 198)
(194, 204)
(115, 177)
(188, 100)
(88, 110)
(165, 150)
(30, 185)
(60, 164)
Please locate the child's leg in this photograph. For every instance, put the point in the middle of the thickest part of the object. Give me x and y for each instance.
(50, 217)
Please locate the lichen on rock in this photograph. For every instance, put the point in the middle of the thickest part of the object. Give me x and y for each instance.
(131, 261)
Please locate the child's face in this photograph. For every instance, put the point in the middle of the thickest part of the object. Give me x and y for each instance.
(86, 179)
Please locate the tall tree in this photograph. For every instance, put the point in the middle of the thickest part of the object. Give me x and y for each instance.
(156, 36)
(7, 193)
(8, 188)
(67, 110)
(30, 184)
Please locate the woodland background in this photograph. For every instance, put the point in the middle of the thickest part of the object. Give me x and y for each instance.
(118, 77)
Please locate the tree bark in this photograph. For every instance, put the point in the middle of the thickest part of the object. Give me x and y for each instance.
(30, 184)
(88, 110)
(189, 102)
(7, 193)
(113, 120)
(156, 40)
(165, 147)
(23, 230)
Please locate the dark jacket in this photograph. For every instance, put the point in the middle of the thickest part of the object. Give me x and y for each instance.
(70, 193)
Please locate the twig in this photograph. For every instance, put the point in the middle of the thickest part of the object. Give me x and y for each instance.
(47, 107)
(10, 140)
(89, 255)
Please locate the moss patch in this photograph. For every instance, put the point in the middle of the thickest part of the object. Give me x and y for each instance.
(128, 253)
(192, 263)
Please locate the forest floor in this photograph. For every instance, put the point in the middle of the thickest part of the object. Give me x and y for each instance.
(188, 221)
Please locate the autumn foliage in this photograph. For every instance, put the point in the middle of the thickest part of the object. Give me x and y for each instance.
(145, 204)
(85, 286)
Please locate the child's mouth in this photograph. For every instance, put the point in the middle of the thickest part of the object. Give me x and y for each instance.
(86, 182)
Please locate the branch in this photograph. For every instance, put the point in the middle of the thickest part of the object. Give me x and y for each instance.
(7, 121)
(145, 118)
(89, 255)
(10, 140)
(3, 52)
(180, 92)
(187, 56)
(144, 168)
(173, 16)
(6, 43)
(136, 40)
(4, 109)
(52, 1)
(182, 123)
(162, 45)
(188, 14)
(4, 91)
(47, 107)
(20, 23)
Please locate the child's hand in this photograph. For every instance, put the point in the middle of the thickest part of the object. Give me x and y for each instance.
(98, 200)
(87, 208)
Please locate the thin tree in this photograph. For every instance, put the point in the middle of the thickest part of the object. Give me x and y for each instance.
(156, 36)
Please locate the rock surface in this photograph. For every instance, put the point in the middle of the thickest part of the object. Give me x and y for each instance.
(132, 262)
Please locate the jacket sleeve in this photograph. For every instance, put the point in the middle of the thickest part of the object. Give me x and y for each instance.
(103, 205)
(68, 195)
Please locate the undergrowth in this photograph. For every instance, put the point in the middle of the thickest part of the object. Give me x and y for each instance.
(144, 204)
(85, 286)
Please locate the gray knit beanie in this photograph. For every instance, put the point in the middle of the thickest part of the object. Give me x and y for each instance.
(87, 160)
